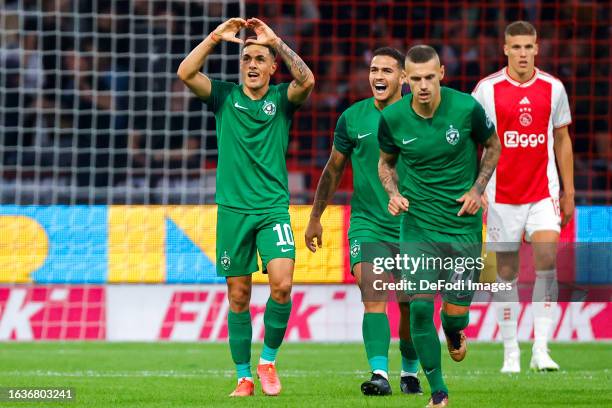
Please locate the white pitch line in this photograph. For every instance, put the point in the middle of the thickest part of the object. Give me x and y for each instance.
(166, 373)
(470, 374)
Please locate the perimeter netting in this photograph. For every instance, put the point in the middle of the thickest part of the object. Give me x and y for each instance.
(92, 110)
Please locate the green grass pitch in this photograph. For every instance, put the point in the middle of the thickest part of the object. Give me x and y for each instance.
(313, 375)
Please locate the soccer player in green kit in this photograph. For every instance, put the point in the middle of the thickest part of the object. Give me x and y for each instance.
(355, 139)
(433, 133)
(253, 122)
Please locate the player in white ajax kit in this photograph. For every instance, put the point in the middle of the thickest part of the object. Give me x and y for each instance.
(531, 114)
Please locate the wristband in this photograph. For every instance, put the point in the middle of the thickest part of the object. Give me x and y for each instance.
(213, 35)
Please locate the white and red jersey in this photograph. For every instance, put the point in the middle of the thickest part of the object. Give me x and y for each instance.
(525, 115)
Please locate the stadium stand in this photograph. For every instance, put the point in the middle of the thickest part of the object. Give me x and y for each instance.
(91, 111)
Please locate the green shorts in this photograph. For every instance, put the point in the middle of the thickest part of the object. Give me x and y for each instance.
(445, 263)
(240, 236)
(364, 248)
(356, 246)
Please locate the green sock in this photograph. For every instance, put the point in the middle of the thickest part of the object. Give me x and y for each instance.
(243, 370)
(426, 342)
(240, 334)
(276, 317)
(454, 323)
(410, 360)
(268, 353)
(376, 337)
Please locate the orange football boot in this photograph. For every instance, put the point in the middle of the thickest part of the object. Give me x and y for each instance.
(270, 384)
(245, 388)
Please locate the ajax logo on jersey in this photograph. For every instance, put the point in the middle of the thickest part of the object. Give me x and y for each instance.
(525, 117)
(513, 138)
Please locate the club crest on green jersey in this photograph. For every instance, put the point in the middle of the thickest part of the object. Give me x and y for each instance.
(355, 249)
(226, 262)
(452, 135)
(269, 108)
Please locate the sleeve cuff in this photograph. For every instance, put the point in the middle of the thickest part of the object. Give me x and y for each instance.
(562, 125)
(342, 150)
(389, 149)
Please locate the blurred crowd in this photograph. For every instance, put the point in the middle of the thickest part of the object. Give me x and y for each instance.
(90, 90)
(90, 97)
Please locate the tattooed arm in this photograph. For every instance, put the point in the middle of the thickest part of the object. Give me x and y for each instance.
(328, 183)
(488, 162)
(388, 177)
(472, 200)
(303, 79)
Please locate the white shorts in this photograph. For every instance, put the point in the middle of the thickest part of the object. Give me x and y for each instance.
(506, 223)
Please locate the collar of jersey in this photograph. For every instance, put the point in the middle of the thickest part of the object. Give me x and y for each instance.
(416, 115)
(246, 97)
(514, 82)
(373, 103)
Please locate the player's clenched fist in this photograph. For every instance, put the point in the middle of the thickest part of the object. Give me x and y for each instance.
(568, 206)
(397, 205)
(314, 230)
(472, 201)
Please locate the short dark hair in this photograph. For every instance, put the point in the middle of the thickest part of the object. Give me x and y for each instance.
(520, 28)
(421, 53)
(270, 48)
(390, 52)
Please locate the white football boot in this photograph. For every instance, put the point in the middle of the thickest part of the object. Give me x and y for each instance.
(512, 362)
(541, 361)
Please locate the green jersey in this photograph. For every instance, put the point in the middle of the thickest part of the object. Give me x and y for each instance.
(439, 158)
(252, 139)
(356, 135)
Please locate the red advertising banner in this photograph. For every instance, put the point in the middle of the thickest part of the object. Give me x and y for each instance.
(52, 312)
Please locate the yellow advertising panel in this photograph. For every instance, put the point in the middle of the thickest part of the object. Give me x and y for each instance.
(136, 236)
(142, 243)
(327, 264)
(24, 246)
